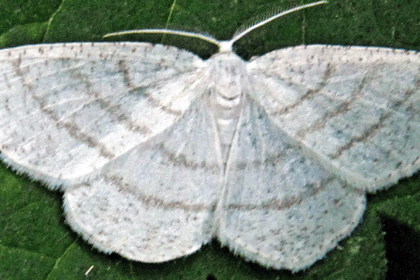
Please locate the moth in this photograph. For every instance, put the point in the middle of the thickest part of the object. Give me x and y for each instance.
(158, 151)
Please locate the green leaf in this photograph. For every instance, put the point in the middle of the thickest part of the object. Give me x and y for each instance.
(36, 243)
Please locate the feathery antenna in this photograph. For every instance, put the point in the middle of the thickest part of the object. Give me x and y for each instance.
(224, 46)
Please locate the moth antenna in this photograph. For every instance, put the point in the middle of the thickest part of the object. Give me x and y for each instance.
(247, 29)
(200, 36)
(224, 46)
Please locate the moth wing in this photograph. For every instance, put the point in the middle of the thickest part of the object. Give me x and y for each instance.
(356, 108)
(280, 206)
(155, 203)
(66, 110)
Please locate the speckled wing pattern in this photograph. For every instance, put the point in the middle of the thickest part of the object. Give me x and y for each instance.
(157, 202)
(356, 108)
(68, 109)
(126, 131)
(282, 208)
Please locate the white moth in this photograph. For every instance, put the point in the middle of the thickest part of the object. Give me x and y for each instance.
(158, 151)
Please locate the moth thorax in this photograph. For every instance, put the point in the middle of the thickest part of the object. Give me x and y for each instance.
(229, 81)
(227, 93)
